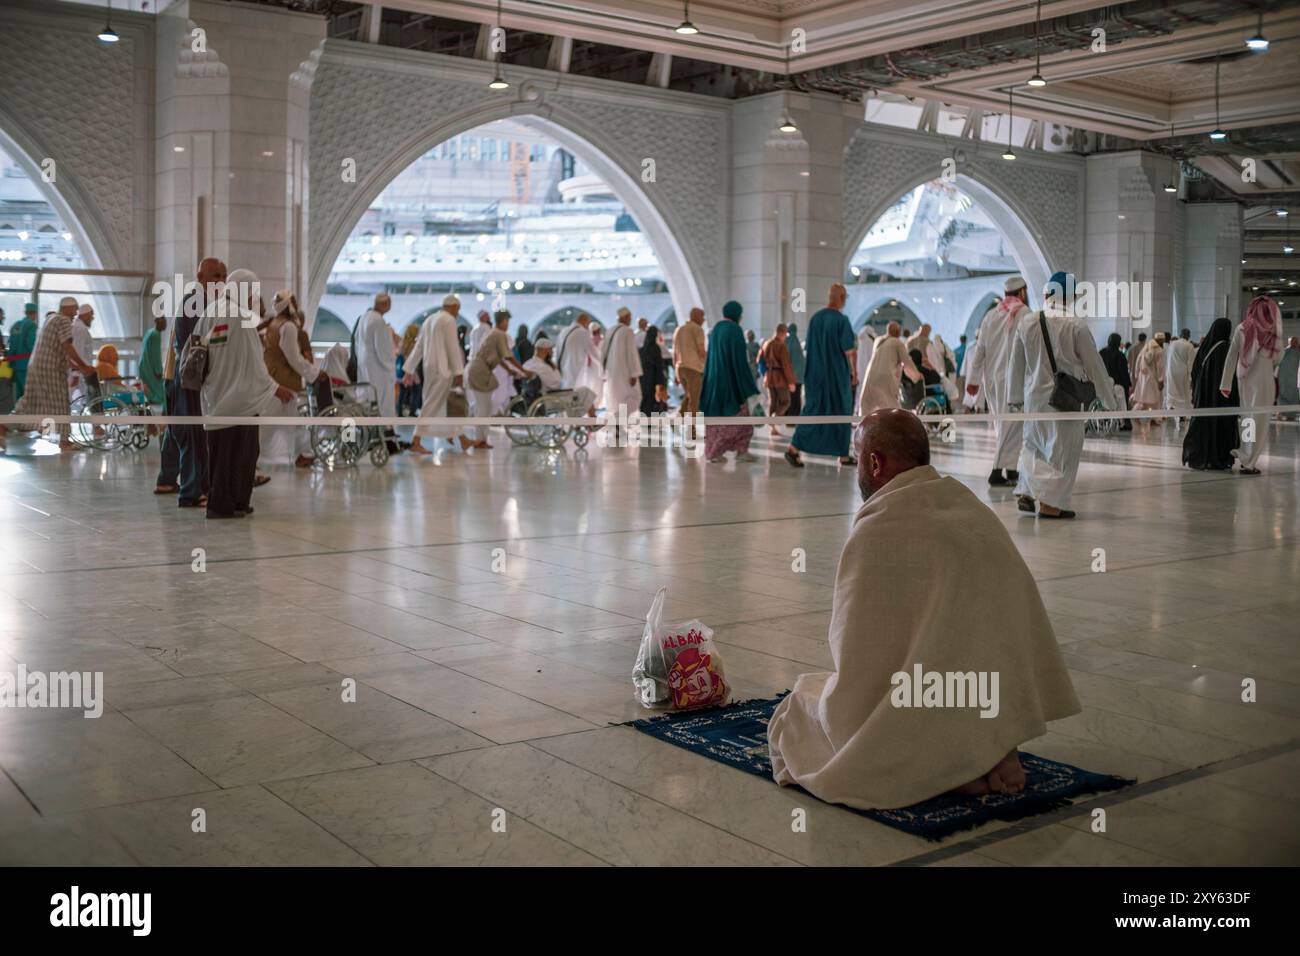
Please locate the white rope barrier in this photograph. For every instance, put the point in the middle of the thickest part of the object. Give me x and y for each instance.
(339, 421)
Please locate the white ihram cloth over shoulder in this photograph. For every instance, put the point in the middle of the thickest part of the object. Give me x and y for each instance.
(884, 371)
(986, 366)
(377, 360)
(1178, 373)
(928, 576)
(1049, 457)
(621, 362)
(578, 358)
(436, 346)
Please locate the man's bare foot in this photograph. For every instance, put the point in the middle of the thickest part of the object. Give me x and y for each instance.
(1009, 773)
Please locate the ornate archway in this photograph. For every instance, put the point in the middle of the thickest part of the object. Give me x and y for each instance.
(656, 219)
(1012, 220)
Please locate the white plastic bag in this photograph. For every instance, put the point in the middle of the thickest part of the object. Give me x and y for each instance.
(678, 666)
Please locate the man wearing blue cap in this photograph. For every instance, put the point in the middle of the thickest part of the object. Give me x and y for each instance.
(1047, 342)
(22, 339)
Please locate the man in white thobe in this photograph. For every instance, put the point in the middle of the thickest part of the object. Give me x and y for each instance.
(622, 365)
(479, 333)
(578, 358)
(437, 348)
(986, 371)
(866, 345)
(377, 355)
(889, 363)
(641, 325)
(84, 345)
(1049, 458)
(1179, 355)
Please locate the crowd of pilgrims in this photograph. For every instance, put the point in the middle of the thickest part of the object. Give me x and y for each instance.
(442, 368)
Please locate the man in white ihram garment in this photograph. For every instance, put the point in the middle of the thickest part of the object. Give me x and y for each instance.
(1049, 458)
(578, 358)
(866, 345)
(1179, 355)
(889, 363)
(622, 365)
(444, 367)
(986, 371)
(377, 355)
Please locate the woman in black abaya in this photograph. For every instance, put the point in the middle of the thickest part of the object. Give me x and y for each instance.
(1211, 438)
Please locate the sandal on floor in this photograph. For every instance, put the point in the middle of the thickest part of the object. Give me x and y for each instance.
(166, 489)
(1025, 503)
(1251, 471)
(794, 460)
(260, 480)
(1063, 513)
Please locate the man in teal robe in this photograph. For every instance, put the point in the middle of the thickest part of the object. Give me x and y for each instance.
(830, 377)
(22, 340)
(728, 386)
(151, 364)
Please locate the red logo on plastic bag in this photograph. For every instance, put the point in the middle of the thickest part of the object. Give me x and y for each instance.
(693, 680)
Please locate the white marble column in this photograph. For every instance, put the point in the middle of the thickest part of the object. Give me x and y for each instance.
(231, 139)
(786, 232)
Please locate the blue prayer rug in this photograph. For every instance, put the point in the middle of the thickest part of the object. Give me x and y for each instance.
(737, 735)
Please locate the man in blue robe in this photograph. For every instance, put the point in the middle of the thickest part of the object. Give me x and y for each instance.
(830, 378)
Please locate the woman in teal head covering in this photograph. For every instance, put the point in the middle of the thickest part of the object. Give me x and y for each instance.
(728, 385)
(797, 362)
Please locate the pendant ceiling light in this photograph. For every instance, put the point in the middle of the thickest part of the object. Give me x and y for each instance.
(686, 28)
(1037, 78)
(1217, 134)
(498, 81)
(108, 34)
(1172, 185)
(1258, 43)
(1011, 122)
(787, 122)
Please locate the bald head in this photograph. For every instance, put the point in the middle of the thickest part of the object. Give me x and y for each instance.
(837, 296)
(893, 330)
(890, 442)
(697, 316)
(1295, 342)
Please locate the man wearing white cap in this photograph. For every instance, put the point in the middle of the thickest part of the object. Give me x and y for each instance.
(622, 366)
(437, 353)
(377, 355)
(986, 371)
(577, 356)
(82, 344)
(480, 332)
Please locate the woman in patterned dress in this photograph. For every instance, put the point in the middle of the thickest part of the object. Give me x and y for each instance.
(47, 375)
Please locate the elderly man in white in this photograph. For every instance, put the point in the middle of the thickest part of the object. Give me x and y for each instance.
(986, 371)
(622, 365)
(438, 350)
(577, 356)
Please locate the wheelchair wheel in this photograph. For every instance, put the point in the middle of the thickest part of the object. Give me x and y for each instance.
(379, 452)
(1101, 427)
(140, 439)
(549, 436)
(109, 436)
(581, 435)
(519, 434)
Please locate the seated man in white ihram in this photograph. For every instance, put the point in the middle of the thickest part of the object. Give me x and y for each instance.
(945, 660)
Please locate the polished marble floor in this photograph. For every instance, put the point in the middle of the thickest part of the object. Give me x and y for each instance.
(480, 691)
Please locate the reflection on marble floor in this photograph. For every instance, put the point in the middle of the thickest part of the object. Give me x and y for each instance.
(484, 697)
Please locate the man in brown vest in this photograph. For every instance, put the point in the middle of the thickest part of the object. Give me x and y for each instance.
(288, 357)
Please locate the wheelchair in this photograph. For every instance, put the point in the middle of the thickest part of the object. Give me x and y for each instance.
(533, 402)
(336, 447)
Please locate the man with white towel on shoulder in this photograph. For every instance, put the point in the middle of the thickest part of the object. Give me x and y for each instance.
(622, 365)
(577, 356)
(437, 348)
